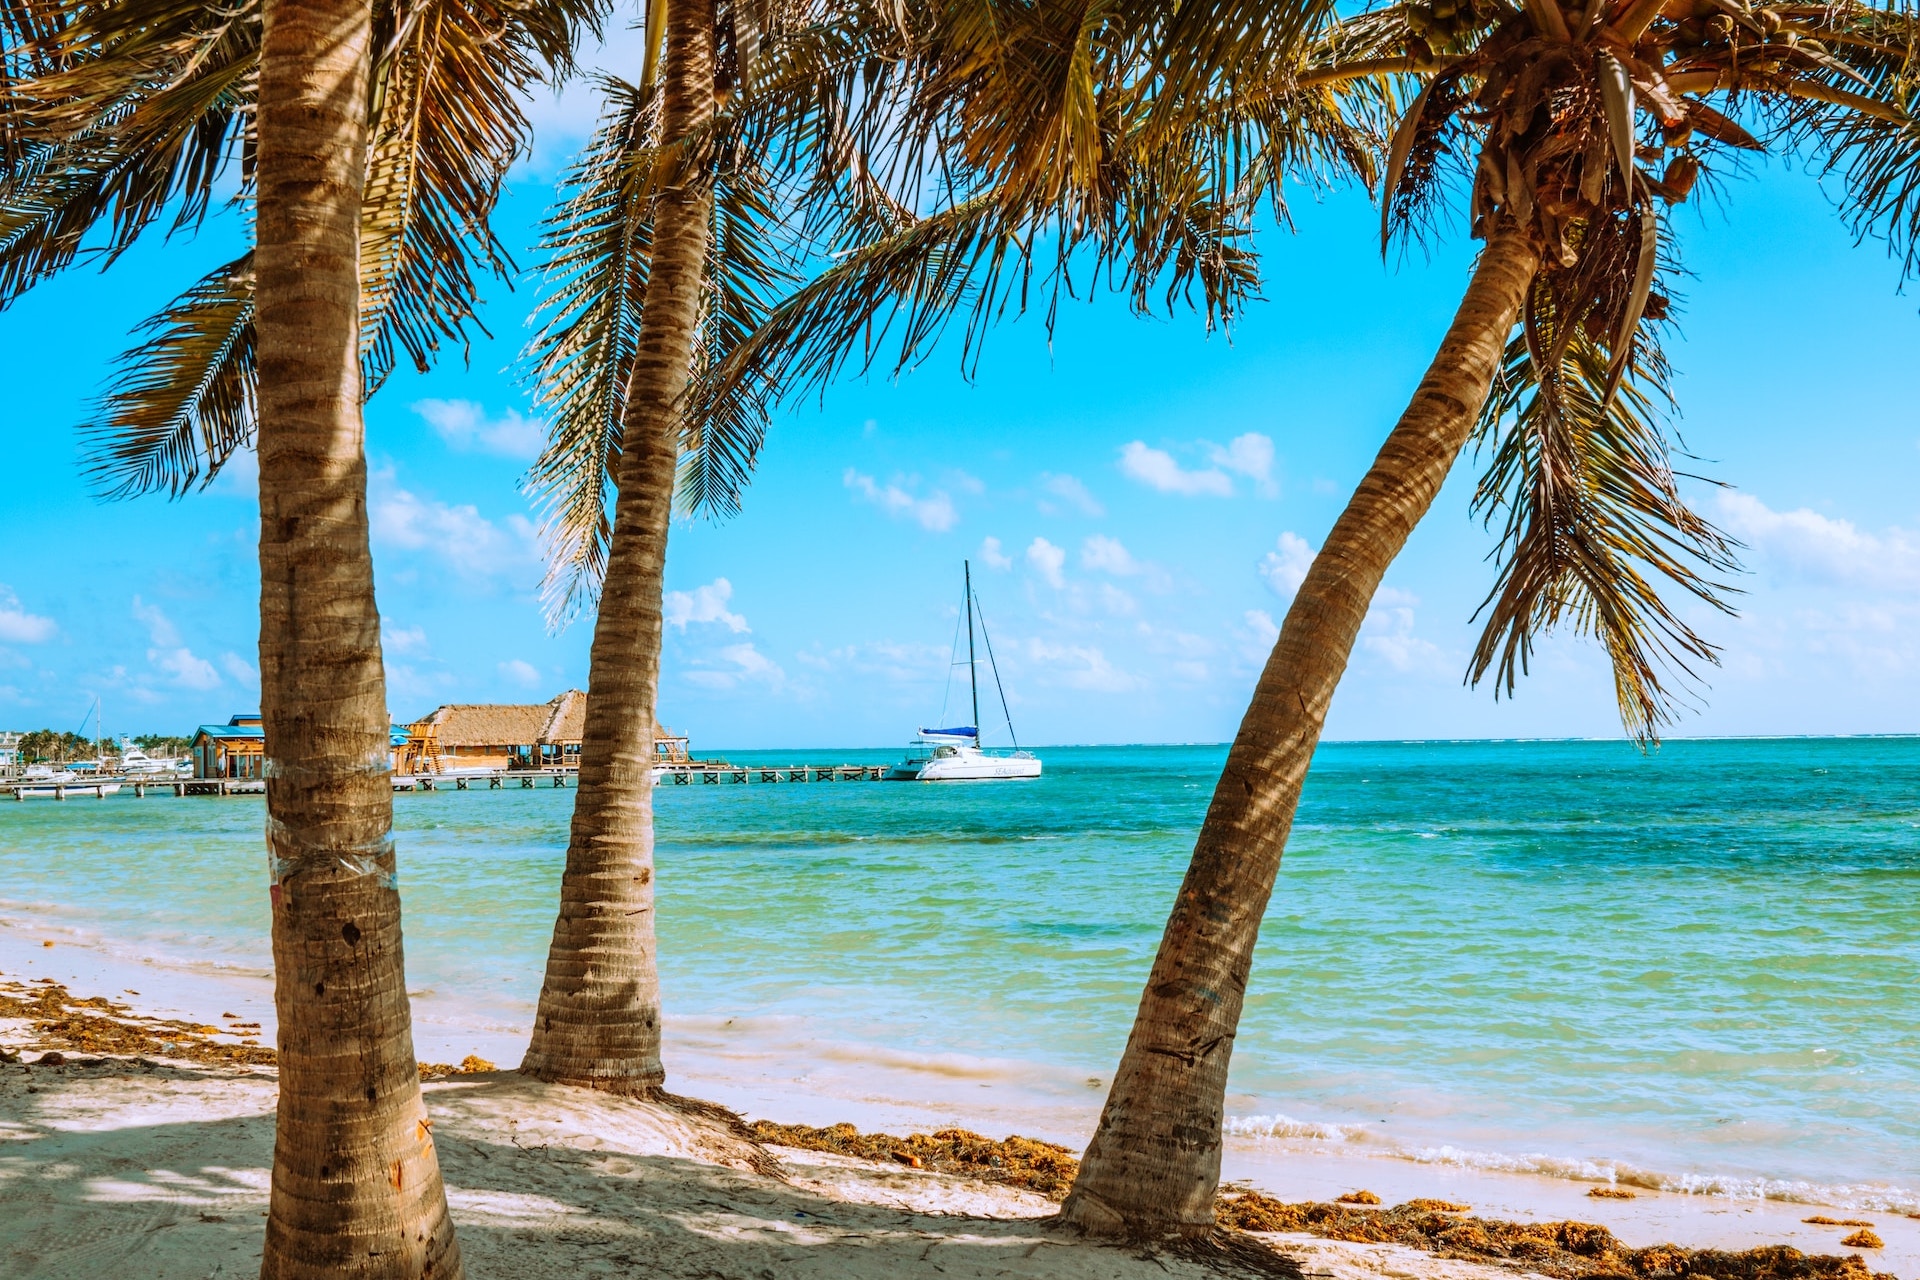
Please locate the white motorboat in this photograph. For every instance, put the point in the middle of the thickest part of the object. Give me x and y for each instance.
(955, 754)
(136, 763)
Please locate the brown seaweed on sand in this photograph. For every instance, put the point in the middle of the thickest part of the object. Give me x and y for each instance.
(1015, 1162)
(1566, 1250)
(98, 1025)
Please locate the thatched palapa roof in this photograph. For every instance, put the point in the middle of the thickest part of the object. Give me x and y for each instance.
(496, 724)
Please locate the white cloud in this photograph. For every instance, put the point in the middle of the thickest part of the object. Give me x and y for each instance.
(464, 425)
(935, 511)
(184, 668)
(238, 669)
(920, 664)
(19, 626)
(468, 541)
(744, 664)
(1080, 667)
(1285, 567)
(404, 640)
(1250, 455)
(1073, 493)
(1388, 634)
(993, 555)
(1157, 469)
(1265, 630)
(520, 671)
(704, 604)
(1106, 555)
(159, 629)
(1819, 549)
(1047, 560)
(177, 662)
(1117, 602)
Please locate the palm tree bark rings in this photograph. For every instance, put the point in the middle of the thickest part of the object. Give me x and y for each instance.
(598, 1022)
(356, 1182)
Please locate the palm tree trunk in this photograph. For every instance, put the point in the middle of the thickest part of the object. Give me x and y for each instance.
(598, 1023)
(1154, 1163)
(356, 1183)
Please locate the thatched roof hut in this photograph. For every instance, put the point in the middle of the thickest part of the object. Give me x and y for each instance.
(492, 735)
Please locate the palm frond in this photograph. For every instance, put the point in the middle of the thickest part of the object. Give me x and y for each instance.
(1878, 159)
(450, 88)
(596, 248)
(747, 274)
(1592, 522)
(181, 403)
(136, 113)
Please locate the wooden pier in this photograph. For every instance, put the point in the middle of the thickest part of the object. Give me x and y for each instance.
(698, 773)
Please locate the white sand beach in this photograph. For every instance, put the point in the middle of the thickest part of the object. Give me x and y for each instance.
(168, 1163)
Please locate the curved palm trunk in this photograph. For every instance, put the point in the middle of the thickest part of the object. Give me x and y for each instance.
(598, 1023)
(356, 1183)
(1154, 1163)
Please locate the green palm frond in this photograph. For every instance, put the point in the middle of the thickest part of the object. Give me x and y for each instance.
(596, 248)
(1592, 523)
(138, 111)
(1878, 159)
(747, 275)
(133, 110)
(449, 97)
(182, 402)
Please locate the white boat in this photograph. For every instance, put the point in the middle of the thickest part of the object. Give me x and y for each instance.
(955, 754)
(136, 763)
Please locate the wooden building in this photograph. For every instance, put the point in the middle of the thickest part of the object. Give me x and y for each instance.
(236, 749)
(475, 735)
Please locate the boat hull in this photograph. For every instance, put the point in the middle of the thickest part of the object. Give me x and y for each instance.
(972, 769)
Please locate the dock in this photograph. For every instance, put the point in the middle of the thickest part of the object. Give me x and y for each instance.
(697, 773)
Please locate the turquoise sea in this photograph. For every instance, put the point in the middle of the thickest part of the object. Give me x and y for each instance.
(1695, 967)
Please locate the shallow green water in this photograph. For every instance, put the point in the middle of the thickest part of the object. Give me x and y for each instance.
(1699, 964)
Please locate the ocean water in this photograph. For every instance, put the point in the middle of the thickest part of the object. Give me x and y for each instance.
(1694, 968)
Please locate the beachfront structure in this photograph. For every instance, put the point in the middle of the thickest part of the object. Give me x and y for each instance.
(236, 749)
(541, 735)
(9, 749)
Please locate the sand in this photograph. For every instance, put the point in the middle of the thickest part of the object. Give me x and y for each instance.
(161, 1169)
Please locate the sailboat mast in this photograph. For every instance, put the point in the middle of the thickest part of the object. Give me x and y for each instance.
(973, 669)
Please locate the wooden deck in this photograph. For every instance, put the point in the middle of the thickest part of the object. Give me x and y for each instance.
(701, 773)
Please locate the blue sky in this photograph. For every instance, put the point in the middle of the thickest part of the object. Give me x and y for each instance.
(1136, 497)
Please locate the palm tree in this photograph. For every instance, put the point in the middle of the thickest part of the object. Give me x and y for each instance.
(678, 232)
(369, 205)
(702, 200)
(1566, 127)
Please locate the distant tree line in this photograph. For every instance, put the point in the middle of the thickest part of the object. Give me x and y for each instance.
(54, 746)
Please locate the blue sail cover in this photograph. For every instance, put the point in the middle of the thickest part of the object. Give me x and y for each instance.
(958, 731)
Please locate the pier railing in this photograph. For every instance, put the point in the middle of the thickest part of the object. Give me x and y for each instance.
(699, 773)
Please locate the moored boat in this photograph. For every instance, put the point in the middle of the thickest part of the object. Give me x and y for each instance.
(955, 754)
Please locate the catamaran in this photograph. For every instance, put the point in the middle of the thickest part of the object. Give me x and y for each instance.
(954, 754)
